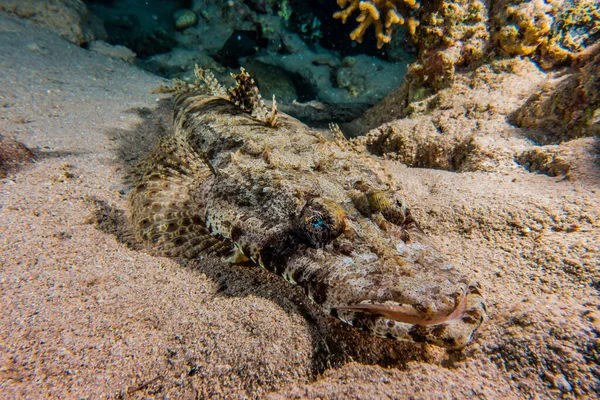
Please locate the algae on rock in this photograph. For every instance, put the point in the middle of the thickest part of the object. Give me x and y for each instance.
(550, 32)
(567, 107)
(451, 35)
(71, 19)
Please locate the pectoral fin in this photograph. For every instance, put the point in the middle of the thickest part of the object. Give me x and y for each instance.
(237, 257)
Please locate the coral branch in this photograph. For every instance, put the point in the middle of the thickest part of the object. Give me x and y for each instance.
(371, 14)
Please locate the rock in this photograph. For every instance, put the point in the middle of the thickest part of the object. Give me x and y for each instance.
(369, 78)
(552, 33)
(12, 154)
(548, 160)
(561, 383)
(116, 51)
(179, 63)
(272, 80)
(71, 19)
(451, 34)
(568, 104)
(183, 19)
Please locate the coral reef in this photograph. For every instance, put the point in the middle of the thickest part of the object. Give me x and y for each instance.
(576, 28)
(448, 34)
(445, 130)
(568, 106)
(524, 26)
(381, 14)
(451, 34)
(310, 60)
(460, 34)
(550, 32)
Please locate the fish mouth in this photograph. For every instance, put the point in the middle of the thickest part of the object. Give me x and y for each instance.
(408, 314)
(451, 329)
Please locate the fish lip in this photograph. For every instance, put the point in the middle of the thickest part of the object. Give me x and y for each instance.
(407, 313)
(452, 329)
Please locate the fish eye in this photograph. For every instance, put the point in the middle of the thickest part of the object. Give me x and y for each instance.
(321, 221)
(317, 222)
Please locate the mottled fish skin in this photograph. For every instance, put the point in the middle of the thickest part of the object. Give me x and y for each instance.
(307, 209)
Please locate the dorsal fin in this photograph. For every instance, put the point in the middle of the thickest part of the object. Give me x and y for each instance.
(244, 94)
(247, 96)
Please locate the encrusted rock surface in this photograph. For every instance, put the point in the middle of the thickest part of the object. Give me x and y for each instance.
(71, 19)
(568, 105)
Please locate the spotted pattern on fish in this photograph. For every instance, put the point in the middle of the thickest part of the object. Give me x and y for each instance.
(308, 209)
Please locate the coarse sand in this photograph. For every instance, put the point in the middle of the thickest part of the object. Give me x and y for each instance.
(87, 314)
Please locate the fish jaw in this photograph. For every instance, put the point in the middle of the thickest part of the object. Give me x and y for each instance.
(405, 292)
(432, 303)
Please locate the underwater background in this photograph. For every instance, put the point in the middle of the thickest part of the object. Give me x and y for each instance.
(293, 49)
(487, 113)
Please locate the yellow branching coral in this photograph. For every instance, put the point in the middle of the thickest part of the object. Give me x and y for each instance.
(380, 13)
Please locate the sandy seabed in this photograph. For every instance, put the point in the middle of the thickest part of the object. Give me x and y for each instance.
(84, 315)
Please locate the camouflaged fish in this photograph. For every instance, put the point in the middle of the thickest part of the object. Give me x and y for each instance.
(237, 177)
